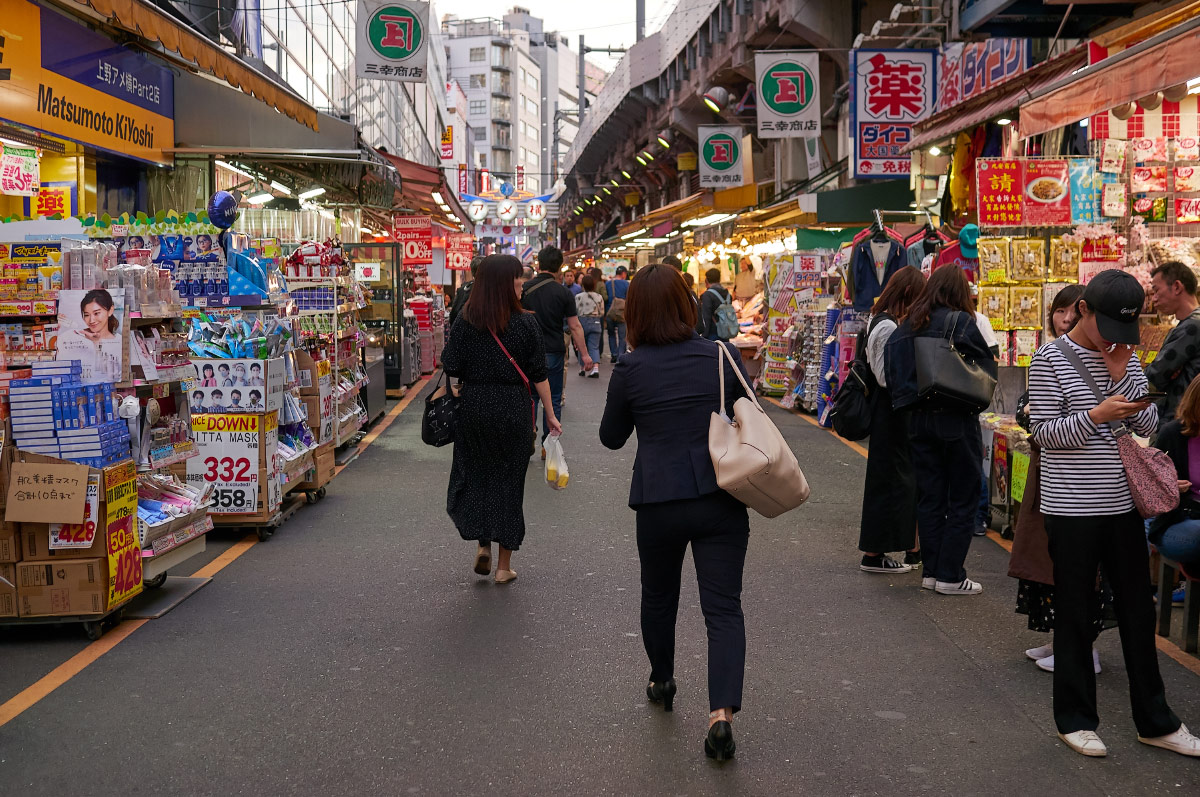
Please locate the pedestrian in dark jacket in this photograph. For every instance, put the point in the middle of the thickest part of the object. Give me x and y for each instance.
(666, 388)
(1176, 534)
(712, 298)
(464, 291)
(947, 445)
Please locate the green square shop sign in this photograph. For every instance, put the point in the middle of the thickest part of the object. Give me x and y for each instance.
(720, 156)
(392, 40)
(789, 94)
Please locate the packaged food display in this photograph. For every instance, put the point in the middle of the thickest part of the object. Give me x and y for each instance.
(1150, 209)
(1149, 178)
(1149, 149)
(1113, 157)
(1187, 148)
(1064, 259)
(1187, 178)
(993, 303)
(994, 259)
(1023, 343)
(1025, 306)
(1112, 201)
(1028, 259)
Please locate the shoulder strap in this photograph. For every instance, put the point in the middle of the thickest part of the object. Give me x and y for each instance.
(1073, 357)
(528, 290)
(722, 355)
(524, 378)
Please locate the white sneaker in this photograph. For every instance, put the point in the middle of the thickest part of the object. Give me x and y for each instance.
(1181, 742)
(967, 587)
(1047, 663)
(929, 583)
(1037, 654)
(1087, 743)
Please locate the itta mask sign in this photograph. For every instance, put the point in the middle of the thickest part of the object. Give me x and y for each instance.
(393, 40)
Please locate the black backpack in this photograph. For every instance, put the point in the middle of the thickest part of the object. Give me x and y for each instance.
(852, 404)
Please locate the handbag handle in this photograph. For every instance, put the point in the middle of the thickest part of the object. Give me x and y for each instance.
(721, 378)
(1072, 356)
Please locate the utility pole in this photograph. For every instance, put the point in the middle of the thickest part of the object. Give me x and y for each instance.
(641, 19)
(583, 51)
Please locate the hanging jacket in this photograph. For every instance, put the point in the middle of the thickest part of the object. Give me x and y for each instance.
(867, 286)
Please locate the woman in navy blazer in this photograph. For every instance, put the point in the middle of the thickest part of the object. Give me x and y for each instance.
(667, 389)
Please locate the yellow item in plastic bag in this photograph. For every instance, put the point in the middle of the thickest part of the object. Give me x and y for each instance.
(557, 474)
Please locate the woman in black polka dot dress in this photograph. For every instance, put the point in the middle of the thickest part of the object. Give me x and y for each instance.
(496, 350)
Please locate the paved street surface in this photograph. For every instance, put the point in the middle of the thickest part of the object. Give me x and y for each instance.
(356, 653)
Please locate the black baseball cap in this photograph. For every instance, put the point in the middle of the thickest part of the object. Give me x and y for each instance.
(1116, 298)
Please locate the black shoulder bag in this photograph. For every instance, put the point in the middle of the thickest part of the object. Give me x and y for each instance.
(947, 377)
(851, 413)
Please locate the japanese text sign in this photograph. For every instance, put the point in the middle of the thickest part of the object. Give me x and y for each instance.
(393, 40)
(720, 156)
(18, 170)
(1046, 191)
(448, 143)
(892, 90)
(463, 185)
(416, 235)
(51, 199)
(460, 247)
(789, 94)
(1001, 200)
(45, 493)
(968, 70)
(124, 547)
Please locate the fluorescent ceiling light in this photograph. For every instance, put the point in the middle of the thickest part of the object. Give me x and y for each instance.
(650, 240)
(935, 151)
(258, 199)
(614, 182)
(640, 159)
(366, 230)
(647, 155)
(704, 221)
(437, 197)
(633, 234)
(628, 176)
(607, 191)
(281, 188)
(231, 168)
(665, 144)
(1004, 121)
(312, 192)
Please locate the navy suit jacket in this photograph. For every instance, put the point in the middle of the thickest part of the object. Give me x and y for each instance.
(668, 395)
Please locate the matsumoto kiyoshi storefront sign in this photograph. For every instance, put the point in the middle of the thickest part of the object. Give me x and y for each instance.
(393, 40)
(70, 81)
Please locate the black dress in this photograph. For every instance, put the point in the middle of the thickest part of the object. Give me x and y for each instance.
(493, 433)
(889, 507)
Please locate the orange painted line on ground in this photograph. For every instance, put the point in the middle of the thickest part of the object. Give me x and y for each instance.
(1189, 662)
(227, 558)
(64, 672)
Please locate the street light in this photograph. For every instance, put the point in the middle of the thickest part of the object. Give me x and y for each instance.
(716, 98)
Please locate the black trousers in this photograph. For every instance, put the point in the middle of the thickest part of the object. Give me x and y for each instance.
(947, 457)
(1077, 546)
(718, 529)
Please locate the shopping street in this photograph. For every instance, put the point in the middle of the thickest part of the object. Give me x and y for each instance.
(355, 652)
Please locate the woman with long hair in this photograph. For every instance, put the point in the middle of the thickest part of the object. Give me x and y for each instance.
(496, 351)
(947, 446)
(666, 389)
(889, 507)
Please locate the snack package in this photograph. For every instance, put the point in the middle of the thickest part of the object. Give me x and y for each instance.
(1150, 209)
(1025, 306)
(557, 474)
(1112, 159)
(1187, 178)
(1113, 200)
(993, 303)
(1028, 259)
(994, 259)
(1023, 343)
(1187, 148)
(1187, 211)
(1149, 178)
(1064, 259)
(1149, 149)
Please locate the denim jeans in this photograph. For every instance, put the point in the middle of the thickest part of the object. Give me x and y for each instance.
(591, 335)
(616, 339)
(555, 363)
(1181, 542)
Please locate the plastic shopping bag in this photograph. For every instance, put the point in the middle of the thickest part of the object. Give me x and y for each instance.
(557, 474)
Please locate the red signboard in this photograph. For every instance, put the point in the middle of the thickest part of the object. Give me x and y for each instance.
(999, 186)
(463, 186)
(893, 89)
(968, 70)
(1047, 194)
(460, 248)
(520, 178)
(416, 234)
(1099, 254)
(448, 143)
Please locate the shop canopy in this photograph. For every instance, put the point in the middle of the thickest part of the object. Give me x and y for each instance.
(143, 19)
(677, 212)
(854, 205)
(1003, 99)
(1162, 61)
(419, 183)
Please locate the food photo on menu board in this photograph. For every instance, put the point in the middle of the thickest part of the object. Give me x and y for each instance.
(1047, 193)
(91, 329)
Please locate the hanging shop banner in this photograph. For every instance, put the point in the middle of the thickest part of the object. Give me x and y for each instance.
(893, 89)
(416, 234)
(720, 156)
(18, 170)
(67, 80)
(1083, 190)
(393, 40)
(968, 70)
(998, 183)
(448, 143)
(463, 186)
(789, 95)
(1047, 195)
(460, 248)
(520, 178)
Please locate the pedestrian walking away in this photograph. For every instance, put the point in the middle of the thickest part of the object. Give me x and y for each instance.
(496, 350)
(590, 306)
(947, 449)
(460, 296)
(664, 389)
(614, 317)
(889, 505)
(1090, 516)
(718, 321)
(553, 305)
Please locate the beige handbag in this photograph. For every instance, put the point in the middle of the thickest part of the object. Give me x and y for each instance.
(753, 462)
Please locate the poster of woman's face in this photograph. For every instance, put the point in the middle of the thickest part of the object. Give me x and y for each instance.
(91, 330)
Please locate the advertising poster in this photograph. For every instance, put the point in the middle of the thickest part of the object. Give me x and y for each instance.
(1047, 194)
(19, 170)
(893, 89)
(1000, 197)
(393, 40)
(720, 156)
(235, 451)
(789, 94)
(1083, 190)
(1099, 254)
(460, 248)
(124, 546)
(448, 143)
(92, 329)
(416, 234)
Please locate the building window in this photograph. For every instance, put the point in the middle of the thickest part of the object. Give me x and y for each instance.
(479, 81)
(500, 56)
(480, 133)
(524, 76)
(478, 53)
(478, 107)
(501, 108)
(530, 80)
(531, 183)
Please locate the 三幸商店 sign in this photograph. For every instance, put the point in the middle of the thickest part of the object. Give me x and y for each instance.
(893, 89)
(393, 40)
(73, 82)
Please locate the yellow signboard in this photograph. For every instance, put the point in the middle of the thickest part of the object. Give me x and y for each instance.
(73, 107)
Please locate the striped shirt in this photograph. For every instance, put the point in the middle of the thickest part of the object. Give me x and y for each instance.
(1081, 471)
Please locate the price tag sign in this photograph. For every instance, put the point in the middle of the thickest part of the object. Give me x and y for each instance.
(232, 449)
(80, 535)
(124, 547)
(45, 493)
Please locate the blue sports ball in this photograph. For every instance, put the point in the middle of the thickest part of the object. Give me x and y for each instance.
(222, 210)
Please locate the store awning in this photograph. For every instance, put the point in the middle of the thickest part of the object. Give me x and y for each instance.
(1166, 60)
(1005, 98)
(419, 183)
(788, 213)
(854, 205)
(144, 20)
(679, 211)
